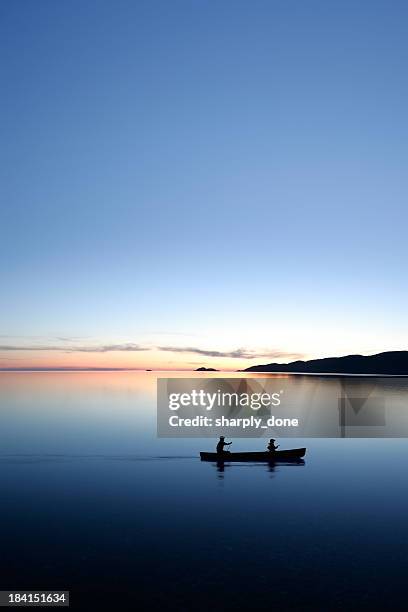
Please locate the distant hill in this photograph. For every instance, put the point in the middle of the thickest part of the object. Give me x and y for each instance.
(206, 370)
(391, 362)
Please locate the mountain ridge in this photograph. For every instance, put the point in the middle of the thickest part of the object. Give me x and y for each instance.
(388, 362)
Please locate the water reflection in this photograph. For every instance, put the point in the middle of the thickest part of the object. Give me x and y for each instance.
(270, 466)
(94, 502)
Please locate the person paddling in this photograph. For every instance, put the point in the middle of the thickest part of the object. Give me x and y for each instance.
(272, 447)
(221, 444)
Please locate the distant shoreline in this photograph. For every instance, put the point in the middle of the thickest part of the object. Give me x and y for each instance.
(193, 372)
(389, 363)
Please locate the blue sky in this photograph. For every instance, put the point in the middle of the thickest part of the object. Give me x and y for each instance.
(205, 175)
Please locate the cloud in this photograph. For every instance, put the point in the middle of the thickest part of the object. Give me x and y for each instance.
(70, 338)
(13, 347)
(131, 347)
(103, 348)
(239, 353)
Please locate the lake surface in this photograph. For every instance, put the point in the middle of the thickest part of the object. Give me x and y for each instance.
(94, 503)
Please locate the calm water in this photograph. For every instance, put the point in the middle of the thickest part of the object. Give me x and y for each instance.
(94, 503)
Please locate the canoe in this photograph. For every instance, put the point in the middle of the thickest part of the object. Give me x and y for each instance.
(283, 455)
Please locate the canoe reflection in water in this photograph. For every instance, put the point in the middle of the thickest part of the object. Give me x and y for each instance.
(271, 466)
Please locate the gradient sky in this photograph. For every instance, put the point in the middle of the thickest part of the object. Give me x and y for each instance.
(212, 182)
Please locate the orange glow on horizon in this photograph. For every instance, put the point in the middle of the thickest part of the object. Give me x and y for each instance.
(138, 360)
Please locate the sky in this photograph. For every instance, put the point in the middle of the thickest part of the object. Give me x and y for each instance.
(189, 183)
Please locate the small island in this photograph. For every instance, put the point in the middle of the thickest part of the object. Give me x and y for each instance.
(202, 369)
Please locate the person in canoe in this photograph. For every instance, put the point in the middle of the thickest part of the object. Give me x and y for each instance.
(272, 447)
(221, 444)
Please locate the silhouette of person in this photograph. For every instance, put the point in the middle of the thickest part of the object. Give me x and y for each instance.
(272, 447)
(221, 444)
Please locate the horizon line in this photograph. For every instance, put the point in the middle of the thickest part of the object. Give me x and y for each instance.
(96, 369)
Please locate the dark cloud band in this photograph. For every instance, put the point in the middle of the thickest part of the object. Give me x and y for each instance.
(130, 347)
